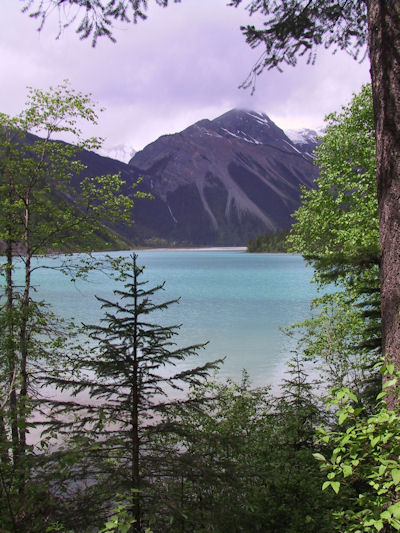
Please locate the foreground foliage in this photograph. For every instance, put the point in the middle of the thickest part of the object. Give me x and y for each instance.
(222, 458)
(246, 463)
(366, 451)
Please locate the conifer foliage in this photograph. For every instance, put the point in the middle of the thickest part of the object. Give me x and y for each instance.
(130, 378)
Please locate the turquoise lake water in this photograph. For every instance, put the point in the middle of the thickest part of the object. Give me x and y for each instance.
(234, 300)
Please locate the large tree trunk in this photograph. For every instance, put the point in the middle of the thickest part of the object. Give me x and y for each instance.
(384, 49)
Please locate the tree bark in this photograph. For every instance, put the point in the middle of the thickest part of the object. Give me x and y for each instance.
(24, 331)
(135, 443)
(10, 333)
(384, 50)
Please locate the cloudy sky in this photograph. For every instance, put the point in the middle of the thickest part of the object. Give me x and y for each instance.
(183, 64)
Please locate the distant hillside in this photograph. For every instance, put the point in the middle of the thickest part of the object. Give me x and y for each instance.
(106, 237)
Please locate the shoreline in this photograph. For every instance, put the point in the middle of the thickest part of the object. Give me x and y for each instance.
(195, 249)
(159, 249)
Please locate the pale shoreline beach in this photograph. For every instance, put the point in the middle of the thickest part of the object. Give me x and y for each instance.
(198, 249)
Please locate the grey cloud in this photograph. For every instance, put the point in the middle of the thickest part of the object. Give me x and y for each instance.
(183, 64)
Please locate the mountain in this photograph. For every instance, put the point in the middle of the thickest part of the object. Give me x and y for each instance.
(218, 182)
(223, 181)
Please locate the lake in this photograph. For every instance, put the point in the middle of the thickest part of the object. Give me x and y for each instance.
(235, 300)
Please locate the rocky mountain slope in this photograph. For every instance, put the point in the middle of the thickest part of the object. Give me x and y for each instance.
(219, 182)
(223, 181)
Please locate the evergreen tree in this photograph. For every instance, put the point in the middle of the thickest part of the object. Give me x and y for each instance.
(299, 504)
(220, 472)
(274, 242)
(246, 463)
(130, 379)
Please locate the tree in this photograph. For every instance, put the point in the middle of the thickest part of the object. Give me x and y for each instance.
(384, 46)
(339, 218)
(217, 481)
(274, 242)
(35, 175)
(96, 15)
(336, 230)
(245, 463)
(297, 27)
(129, 377)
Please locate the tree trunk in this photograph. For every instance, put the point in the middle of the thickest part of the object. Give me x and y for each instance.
(24, 340)
(11, 348)
(384, 49)
(135, 443)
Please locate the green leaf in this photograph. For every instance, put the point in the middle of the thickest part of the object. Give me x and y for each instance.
(396, 475)
(352, 396)
(326, 485)
(389, 369)
(347, 470)
(336, 486)
(382, 469)
(395, 510)
(319, 457)
(341, 394)
(390, 383)
(375, 441)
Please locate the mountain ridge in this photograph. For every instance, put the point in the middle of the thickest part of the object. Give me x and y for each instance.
(239, 172)
(218, 182)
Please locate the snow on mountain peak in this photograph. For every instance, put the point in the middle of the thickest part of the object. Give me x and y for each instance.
(120, 152)
(303, 136)
(261, 118)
